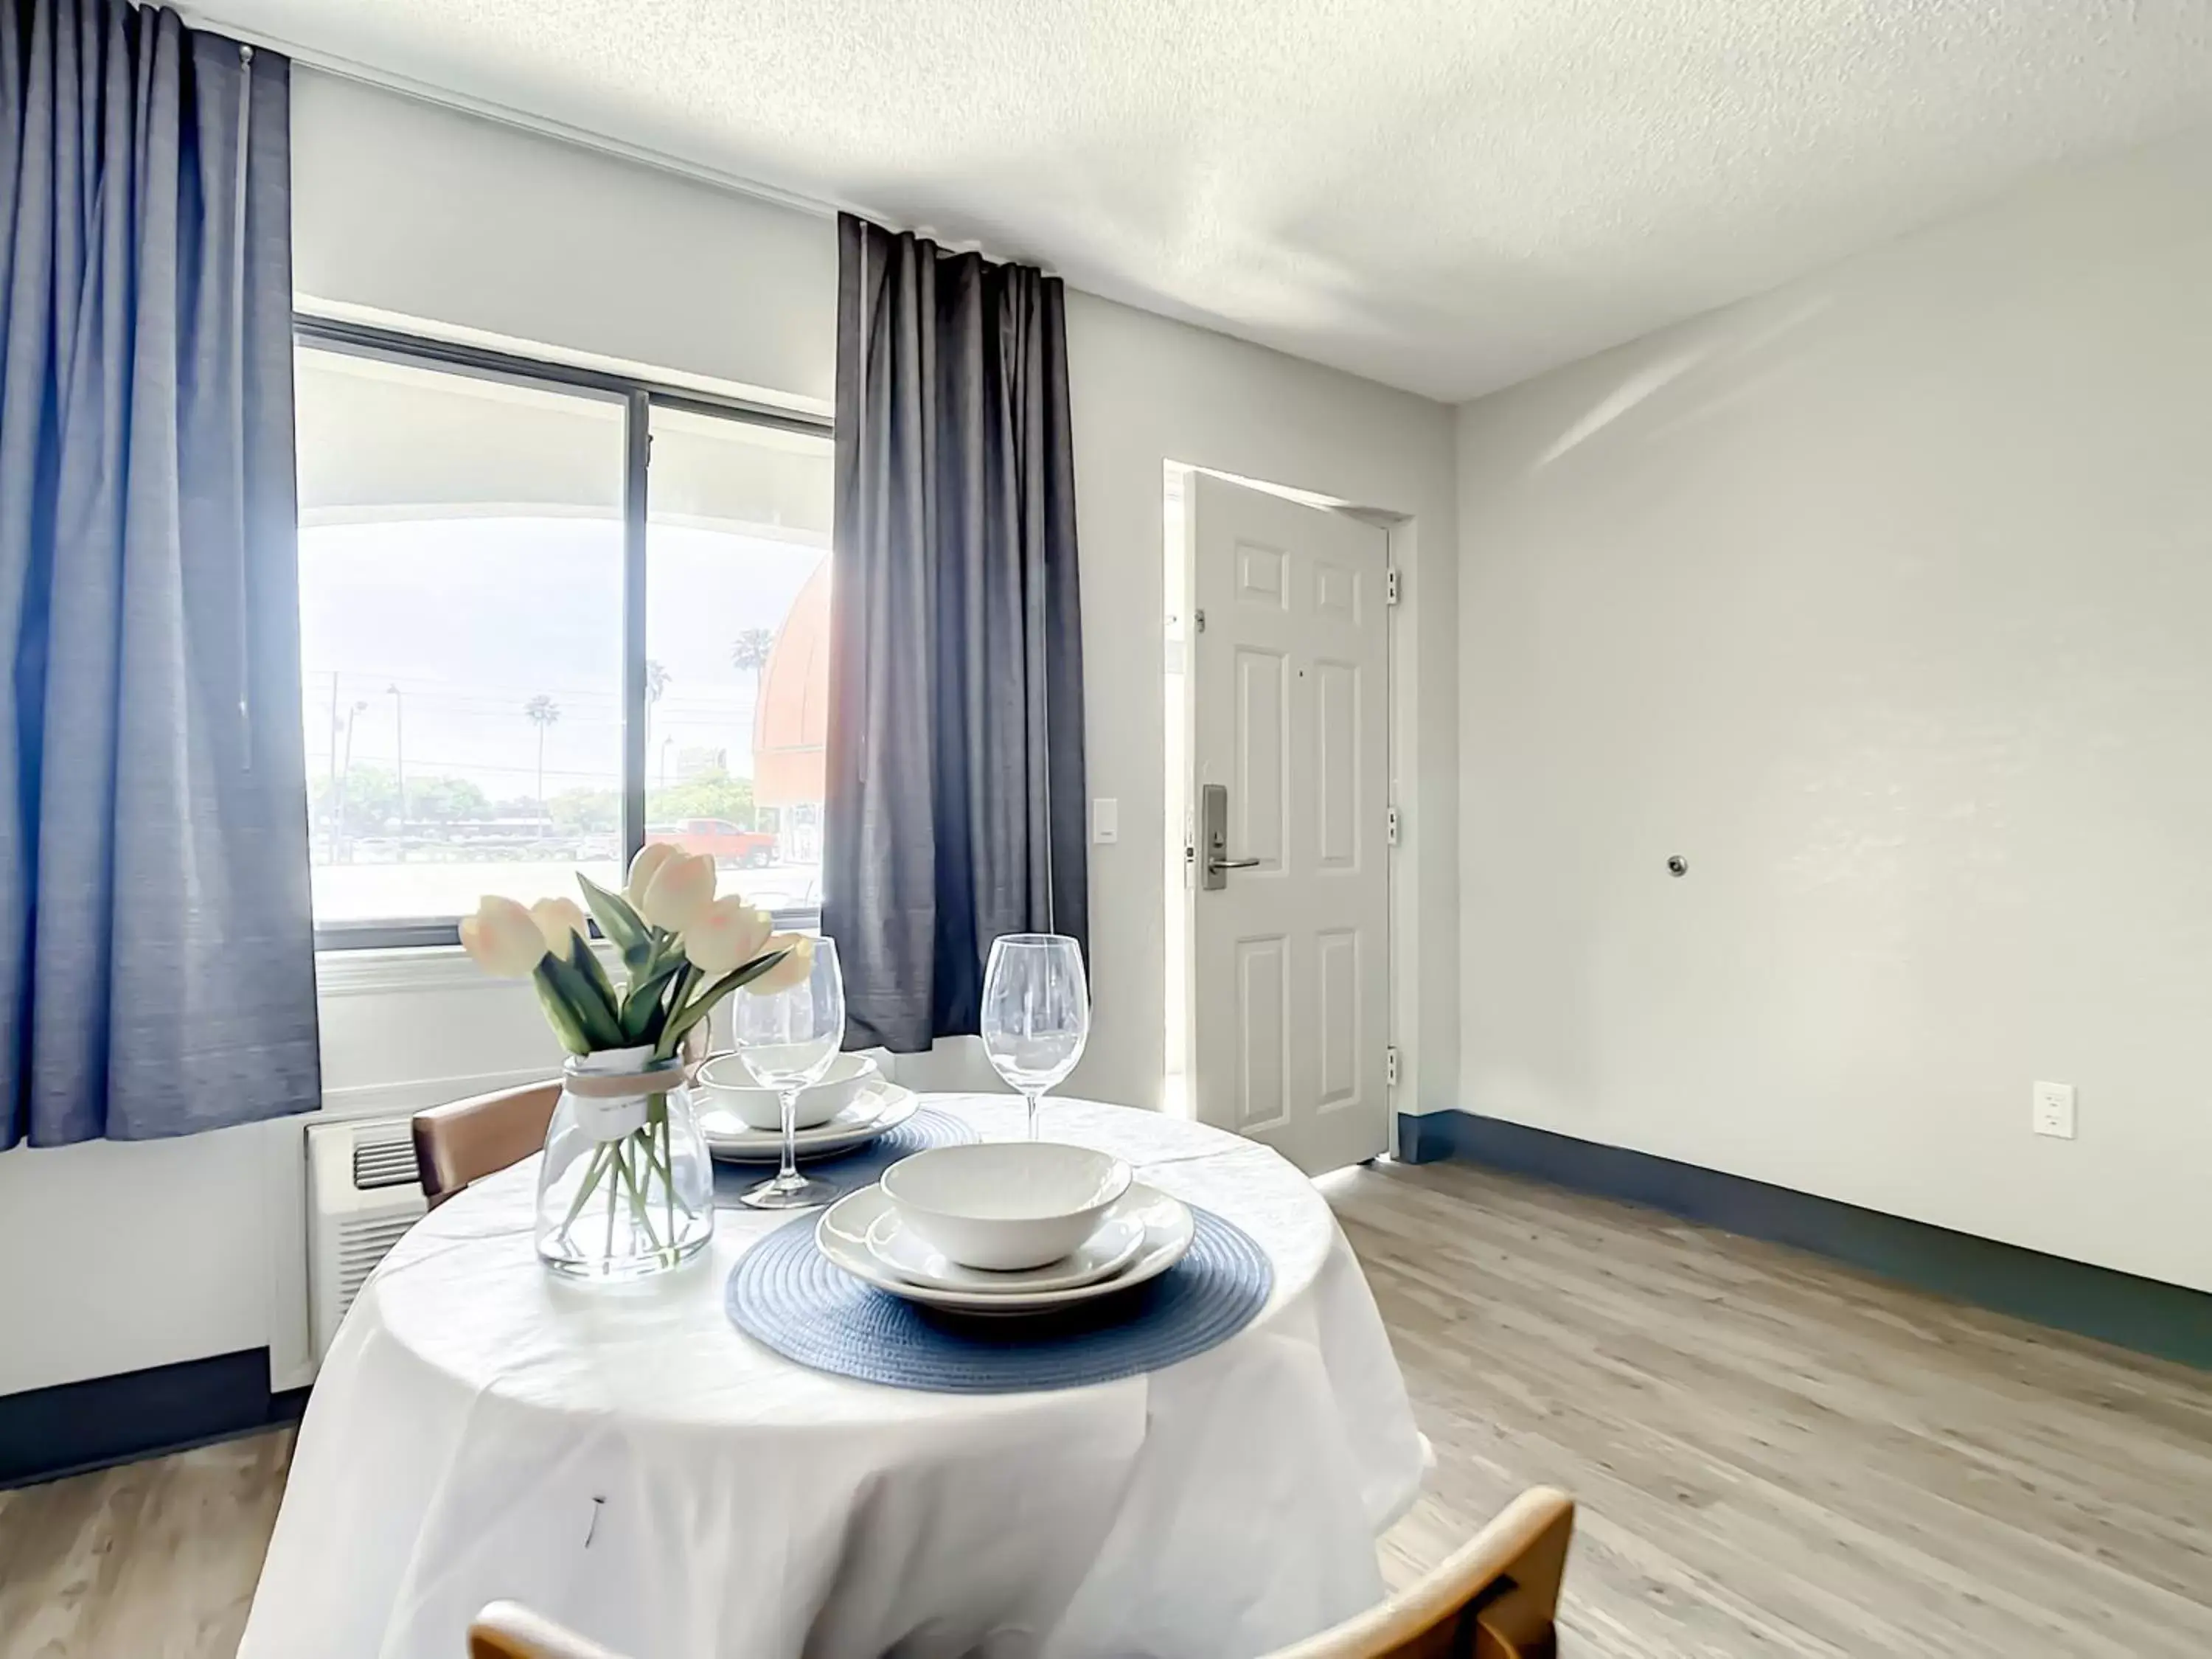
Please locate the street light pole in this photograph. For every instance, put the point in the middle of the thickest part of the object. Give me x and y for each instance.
(331, 802)
(399, 759)
(345, 775)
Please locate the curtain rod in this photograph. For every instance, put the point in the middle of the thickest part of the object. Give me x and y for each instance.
(546, 126)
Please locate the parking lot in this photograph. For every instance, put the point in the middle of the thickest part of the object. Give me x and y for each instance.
(424, 886)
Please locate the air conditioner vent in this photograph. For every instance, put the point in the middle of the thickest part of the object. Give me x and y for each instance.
(384, 1157)
(361, 1245)
(363, 1196)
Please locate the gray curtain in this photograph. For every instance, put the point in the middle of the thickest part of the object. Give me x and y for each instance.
(156, 955)
(955, 809)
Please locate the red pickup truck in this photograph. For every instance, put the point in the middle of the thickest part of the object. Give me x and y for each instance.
(731, 847)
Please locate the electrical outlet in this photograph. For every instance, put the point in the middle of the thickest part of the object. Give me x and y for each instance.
(2054, 1109)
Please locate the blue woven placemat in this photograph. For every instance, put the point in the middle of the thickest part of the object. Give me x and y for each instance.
(861, 1167)
(785, 1293)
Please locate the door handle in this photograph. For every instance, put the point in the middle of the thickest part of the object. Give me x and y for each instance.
(1213, 834)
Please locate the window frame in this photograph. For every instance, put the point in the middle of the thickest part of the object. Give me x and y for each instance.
(639, 398)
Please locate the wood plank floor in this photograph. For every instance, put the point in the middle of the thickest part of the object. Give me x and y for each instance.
(153, 1560)
(1776, 1455)
(1773, 1454)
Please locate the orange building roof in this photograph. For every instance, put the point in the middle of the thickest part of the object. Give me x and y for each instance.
(791, 720)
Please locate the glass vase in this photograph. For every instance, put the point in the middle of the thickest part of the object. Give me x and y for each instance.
(626, 1188)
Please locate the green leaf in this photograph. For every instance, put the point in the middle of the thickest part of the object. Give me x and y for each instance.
(702, 1005)
(595, 1014)
(558, 1014)
(642, 1007)
(586, 962)
(618, 922)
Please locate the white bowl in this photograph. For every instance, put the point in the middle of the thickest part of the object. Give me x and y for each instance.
(1005, 1205)
(727, 1082)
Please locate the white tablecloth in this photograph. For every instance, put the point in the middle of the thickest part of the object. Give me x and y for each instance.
(624, 1460)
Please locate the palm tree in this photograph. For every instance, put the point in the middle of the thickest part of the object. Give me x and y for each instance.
(541, 711)
(751, 651)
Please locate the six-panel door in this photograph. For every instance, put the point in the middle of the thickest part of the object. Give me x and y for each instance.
(1289, 989)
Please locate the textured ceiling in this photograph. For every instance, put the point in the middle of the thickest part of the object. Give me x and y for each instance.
(1446, 194)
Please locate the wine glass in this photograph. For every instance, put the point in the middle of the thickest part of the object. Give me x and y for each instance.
(1036, 1012)
(788, 1038)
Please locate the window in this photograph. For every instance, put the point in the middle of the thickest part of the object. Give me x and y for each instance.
(737, 623)
(545, 616)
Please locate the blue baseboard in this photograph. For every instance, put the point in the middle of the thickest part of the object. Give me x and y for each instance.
(1426, 1140)
(2146, 1315)
(48, 1433)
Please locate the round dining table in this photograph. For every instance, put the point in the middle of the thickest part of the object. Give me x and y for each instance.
(623, 1459)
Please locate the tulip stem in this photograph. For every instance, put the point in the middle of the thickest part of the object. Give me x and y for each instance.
(640, 1212)
(589, 1185)
(667, 1164)
(627, 1167)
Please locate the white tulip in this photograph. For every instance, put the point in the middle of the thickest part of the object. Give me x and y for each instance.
(503, 938)
(726, 935)
(678, 891)
(793, 971)
(650, 857)
(558, 920)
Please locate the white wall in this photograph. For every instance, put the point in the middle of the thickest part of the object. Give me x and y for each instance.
(1884, 600)
(426, 214)
(121, 1255)
(1145, 391)
(406, 211)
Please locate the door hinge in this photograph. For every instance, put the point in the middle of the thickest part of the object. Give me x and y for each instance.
(1390, 585)
(1201, 619)
(1390, 827)
(1390, 1066)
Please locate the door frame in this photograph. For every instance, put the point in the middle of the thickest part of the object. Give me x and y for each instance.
(1401, 700)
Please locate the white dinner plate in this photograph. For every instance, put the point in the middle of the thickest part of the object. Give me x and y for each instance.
(880, 1109)
(906, 1252)
(841, 1235)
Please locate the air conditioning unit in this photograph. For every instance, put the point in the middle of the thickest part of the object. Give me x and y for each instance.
(363, 1192)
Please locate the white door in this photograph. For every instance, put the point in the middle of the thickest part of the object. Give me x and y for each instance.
(1290, 949)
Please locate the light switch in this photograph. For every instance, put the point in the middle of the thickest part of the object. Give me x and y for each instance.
(1105, 820)
(2054, 1109)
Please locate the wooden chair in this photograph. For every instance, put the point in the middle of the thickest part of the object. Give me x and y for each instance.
(507, 1631)
(465, 1140)
(1494, 1598)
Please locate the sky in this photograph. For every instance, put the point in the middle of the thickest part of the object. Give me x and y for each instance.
(470, 617)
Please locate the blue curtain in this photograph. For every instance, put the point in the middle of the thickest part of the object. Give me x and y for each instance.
(156, 951)
(955, 810)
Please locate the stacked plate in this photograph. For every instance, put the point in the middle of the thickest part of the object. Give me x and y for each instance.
(1029, 1227)
(851, 1105)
